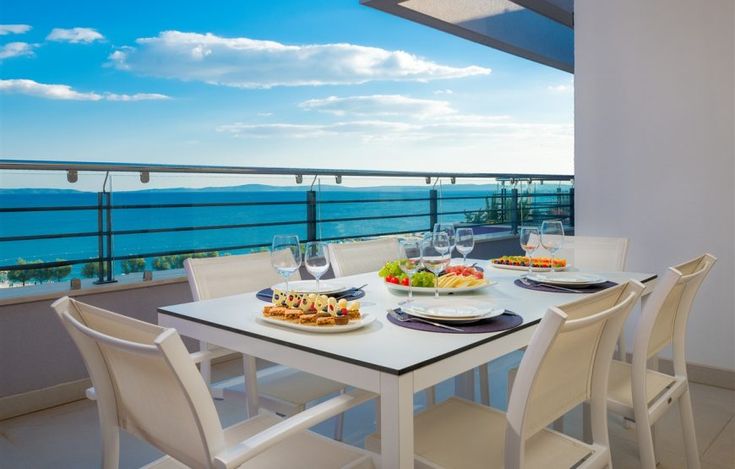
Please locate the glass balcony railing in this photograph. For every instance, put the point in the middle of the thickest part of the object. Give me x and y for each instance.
(95, 232)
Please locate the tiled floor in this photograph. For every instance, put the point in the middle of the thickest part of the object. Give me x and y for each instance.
(66, 436)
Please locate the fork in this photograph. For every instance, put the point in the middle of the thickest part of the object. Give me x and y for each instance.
(403, 317)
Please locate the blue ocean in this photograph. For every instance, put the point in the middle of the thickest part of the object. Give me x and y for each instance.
(288, 208)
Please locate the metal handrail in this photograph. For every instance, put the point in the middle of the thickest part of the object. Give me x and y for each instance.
(39, 165)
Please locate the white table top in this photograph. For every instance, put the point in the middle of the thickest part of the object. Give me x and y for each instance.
(382, 345)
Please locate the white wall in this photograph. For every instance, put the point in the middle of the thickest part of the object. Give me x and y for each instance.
(655, 145)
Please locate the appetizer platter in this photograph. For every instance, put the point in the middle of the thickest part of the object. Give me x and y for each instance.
(540, 264)
(314, 313)
(454, 279)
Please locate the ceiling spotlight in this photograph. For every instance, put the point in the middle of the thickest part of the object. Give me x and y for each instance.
(72, 175)
(145, 177)
(299, 179)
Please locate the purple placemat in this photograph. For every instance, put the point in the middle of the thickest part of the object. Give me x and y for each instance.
(507, 320)
(551, 289)
(266, 294)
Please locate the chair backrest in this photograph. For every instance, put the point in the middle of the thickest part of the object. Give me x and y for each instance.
(593, 253)
(362, 256)
(143, 374)
(566, 363)
(214, 277)
(664, 317)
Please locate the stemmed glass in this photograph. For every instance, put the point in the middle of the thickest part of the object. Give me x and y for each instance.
(285, 255)
(552, 237)
(447, 228)
(465, 242)
(410, 261)
(316, 260)
(435, 256)
(530, 241)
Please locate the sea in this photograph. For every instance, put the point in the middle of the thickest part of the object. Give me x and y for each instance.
(337, 205)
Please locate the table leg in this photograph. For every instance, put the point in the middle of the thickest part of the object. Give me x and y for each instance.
(464, 385)
(396, 420)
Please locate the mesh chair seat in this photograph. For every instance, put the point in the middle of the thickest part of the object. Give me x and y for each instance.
(620, 392)
(294, 386)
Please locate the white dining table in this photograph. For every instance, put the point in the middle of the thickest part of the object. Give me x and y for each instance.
(392, 361)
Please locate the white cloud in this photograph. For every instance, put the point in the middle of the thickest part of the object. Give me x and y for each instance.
(16, 49)
(14, 29)
(66, 92)
(75, 35)
(445, 91)
(379, 104)
(451, 129)
(561, 88)
(249, 63)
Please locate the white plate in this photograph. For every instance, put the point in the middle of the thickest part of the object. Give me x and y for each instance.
(366, 319)
(567, 278)
(525, 268)
(452, 310)
(309, 286)
(442, 291)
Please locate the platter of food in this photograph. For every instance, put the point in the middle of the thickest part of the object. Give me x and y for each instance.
(455, 279)
(315, 313)
(540, 264)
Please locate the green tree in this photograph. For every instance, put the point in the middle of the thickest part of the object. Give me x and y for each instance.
(21, 276)
(42, 274)
(133, 265)
(61, 272)
(162, 263)
(92, 269)
(3, 276)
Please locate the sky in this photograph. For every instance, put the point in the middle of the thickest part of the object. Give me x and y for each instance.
(327, 84)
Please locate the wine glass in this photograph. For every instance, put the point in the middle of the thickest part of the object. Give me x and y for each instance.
(286, 255)
(316, 260)
(530, 241)
(447, 228)
(465, 242)
(552, 237)
(410, 261)
(435, 256)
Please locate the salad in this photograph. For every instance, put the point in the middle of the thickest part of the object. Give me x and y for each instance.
(392, 273)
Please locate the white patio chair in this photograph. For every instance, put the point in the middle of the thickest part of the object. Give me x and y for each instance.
(277, 388)
(567, 362)
(148, 385)
(362, 256)
(589, 253)
(642, 395)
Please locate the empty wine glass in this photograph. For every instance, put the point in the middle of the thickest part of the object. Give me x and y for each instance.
(410, 261)
(316, 260)
(435, 256)
(465, 242)
(530, 241)
(552, 237)
(447, 228)
(285, 255)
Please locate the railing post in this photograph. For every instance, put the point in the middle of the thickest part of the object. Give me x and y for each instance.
(311, 221)
(571, 207)
(433, 209)
(108, 207)
(514, 211)
(503, 213)
(100, 240)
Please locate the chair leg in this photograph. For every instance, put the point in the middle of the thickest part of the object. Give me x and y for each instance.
(205, 366)
(645, 444)
(110, 446)
(586, 423)
(485, 385)
(687, 425)
(339, 423)
(430, 396)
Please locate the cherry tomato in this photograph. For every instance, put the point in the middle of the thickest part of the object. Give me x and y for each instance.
(404, 281)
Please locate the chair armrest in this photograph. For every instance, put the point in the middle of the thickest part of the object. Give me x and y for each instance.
(197, 357)
(238, 454)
